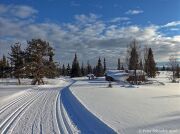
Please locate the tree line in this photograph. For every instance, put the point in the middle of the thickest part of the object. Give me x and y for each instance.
(77, 70)
(36, 61)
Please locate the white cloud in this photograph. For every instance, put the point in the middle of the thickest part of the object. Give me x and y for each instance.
(21, 11)
(134, 12)
(86, 18)
(119, 19)
(175, 29)
(172, 24)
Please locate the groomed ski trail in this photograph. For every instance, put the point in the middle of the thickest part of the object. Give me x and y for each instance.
(46, 110)
(35, 111)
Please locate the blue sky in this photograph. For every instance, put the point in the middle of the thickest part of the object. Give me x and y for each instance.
(93, 28)
(154, 11)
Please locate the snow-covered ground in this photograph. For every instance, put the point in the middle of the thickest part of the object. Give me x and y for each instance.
(152, 108)
(26, 109)
(50, 108)
(90, 107)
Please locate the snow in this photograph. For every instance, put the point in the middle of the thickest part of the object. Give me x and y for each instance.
(85, 106)
(84, 120)
(131, 110)
(34, 109)
(118, 75)
(122, 75)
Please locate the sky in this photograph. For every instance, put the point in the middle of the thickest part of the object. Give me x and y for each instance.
(93, 28)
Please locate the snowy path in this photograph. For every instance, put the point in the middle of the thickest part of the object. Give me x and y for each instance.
(34, 111)
(46, 110)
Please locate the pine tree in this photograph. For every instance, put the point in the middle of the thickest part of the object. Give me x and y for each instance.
(94, 70)
(82, 70)
(4, 67)
(17, 61)
(52, 67)
(68, 70)
(7, 69)
(89, 68)
(163, 68)
(141, 65)
(59, 70)
(38, 54)
(146, 51)
(151, 64)
(63, 70)
(99, 69)
(75, 71)
(177, 71)
(133, 62)
(104, 65)
(134, 59)
(122, 67)
(119, 64)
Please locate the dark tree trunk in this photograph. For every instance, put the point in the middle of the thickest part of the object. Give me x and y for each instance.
(19, 82)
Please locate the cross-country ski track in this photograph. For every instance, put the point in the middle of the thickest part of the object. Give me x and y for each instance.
(48, 110)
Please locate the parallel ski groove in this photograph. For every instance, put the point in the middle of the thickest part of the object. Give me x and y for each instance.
(13, 102)
(9, 120)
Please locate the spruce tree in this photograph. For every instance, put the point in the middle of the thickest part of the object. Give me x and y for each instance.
(89, 68)
(63, 70)
(82, 70)
(17, 61)
(141, 65)
(104, 65)
(119, 64)
(75, 70)
(163, 68)
(7, 69)
(133, 62)
(99, 69)
(4, 67)
(177, 71)
(52, 67)
(122, 67)
(1, 69)
(134, 59)
(68, 70)
(151, 64)
(94, 70)
(59, 70)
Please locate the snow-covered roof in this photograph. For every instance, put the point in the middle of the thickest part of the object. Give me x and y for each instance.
(123, 74)
(90, 75)
(117, 74)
